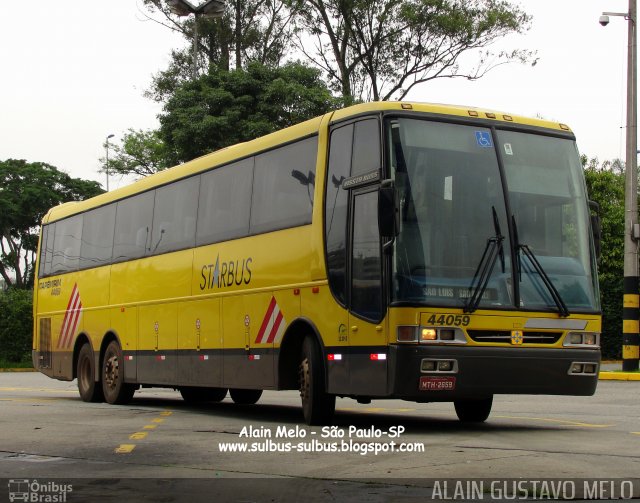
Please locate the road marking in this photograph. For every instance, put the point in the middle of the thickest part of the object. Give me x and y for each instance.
(125, 448)
(141, 435)
(559, 421)
(635, 432)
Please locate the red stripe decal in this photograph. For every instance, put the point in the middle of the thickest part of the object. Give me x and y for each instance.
(276, 327)
(265, 321)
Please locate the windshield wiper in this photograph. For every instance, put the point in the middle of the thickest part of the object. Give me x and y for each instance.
(480, 280)
(527, 252)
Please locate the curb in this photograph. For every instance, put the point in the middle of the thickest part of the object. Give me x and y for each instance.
(18, 370)
(619, 376)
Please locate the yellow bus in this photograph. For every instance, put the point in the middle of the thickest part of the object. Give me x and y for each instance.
(387, 250)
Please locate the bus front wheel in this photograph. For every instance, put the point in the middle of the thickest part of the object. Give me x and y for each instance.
(89, 389)
(116, 391)
(473, 411)
(317, 405)
(245, 396)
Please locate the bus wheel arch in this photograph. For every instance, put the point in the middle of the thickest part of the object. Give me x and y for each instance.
(290, 351)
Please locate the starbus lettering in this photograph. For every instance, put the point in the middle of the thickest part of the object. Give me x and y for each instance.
(224, 274)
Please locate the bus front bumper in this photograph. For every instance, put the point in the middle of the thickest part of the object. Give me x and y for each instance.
(483, 371)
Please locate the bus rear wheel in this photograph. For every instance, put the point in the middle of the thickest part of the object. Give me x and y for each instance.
(115, 390)
(192, 394)
(89, 389)
(245, 396)
(473, 411)
(317, 405)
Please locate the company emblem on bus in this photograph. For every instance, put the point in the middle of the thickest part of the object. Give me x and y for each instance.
(517, 337)
(224, 274)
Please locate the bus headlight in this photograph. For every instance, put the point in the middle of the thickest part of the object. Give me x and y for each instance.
(582, 339)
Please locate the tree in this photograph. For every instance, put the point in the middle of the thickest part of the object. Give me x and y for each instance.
(605, 185)
(16, 326)
(250, 31)
(381, 49)
(141, 153)
(227, 107)
(27, 191)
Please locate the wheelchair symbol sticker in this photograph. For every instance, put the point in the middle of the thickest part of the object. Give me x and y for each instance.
(483, 138)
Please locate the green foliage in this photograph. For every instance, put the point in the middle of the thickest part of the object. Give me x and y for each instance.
(27, 191)
(381, 49)
(605, 185)
(227, 107)
(16, 325)
(141, 153)
(250, 31)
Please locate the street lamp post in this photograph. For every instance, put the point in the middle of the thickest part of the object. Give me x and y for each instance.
(106, 146)
(210, 8)
(631, 309)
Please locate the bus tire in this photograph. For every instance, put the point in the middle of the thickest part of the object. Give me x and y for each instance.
(89, 389)
(245, 396)
(317, 405)
(473, 411)
(116, 391)
(193, 394)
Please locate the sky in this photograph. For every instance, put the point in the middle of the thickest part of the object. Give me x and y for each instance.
(74, 71)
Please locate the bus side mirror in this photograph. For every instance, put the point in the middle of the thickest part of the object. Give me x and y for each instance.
(387, 213)
(596, 227)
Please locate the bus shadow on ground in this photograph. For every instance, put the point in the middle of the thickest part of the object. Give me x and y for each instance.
(271, 415)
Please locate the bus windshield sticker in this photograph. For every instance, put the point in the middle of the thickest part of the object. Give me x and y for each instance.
(508, 149)
(372, 176)
(483, 138)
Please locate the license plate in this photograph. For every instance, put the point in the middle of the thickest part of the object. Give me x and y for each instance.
(430, 383)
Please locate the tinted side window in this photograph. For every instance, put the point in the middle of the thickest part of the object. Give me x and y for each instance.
(283, 185)
(174, 216)
(336, 209)
(366, 266)
(43, 250)
(48, 247)
(66, 245)
(133, 227)
(225, 203)
(366, 147)
(97, 236)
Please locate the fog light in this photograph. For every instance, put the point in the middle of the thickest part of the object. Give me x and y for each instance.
(445, 366)
(428, 334)
(589, 368)
(577, 368)
(428, 365)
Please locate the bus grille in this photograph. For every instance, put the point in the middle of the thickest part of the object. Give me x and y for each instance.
(45, 343)
(504, 336)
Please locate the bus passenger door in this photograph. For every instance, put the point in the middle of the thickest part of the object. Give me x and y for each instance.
(367, 330)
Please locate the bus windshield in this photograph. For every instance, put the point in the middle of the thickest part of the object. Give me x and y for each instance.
(458, 245)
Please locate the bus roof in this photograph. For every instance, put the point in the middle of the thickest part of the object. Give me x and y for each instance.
(240, 150)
